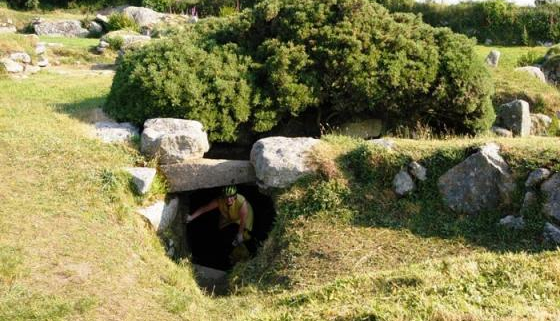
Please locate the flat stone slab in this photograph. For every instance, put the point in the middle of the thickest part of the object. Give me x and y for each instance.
(161, 214)
(207, 173)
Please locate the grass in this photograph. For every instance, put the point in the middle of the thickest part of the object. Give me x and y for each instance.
(343, 247)
(510, 84)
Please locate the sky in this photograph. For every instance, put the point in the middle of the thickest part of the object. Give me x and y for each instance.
(517, 2)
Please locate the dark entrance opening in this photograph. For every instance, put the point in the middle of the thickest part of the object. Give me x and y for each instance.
(206, 241)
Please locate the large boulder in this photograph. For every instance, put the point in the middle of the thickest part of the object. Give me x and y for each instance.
(207, 173)
(533, 71)
(368, 128)
(481, 182)
(280, 161)
(493, 58)
(174, 140)
(11, 66)
(540, 123)
(516, 117)
(161, 214)
(143, 16)
(63, 28)
(128, 37)
(551, 190)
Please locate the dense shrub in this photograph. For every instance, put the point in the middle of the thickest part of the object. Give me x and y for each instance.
(349, 58)
(84, 4)
(502, 22)
(119, 21)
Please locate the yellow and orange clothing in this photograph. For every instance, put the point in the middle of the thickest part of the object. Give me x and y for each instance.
(230, 214)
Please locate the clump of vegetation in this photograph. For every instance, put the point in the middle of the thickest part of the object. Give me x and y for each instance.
(119, 21)
(282, 60)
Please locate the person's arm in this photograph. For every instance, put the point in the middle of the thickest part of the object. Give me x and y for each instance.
(242, 219)
(202, 210)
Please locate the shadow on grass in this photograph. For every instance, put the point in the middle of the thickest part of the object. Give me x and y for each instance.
(87, 111)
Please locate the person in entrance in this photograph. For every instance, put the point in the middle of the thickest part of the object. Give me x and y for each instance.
(236, 219)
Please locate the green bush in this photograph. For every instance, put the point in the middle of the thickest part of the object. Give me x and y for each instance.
(530, 58)
(118, 21)
(280, 60)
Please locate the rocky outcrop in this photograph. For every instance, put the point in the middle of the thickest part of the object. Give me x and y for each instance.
(481, 182)
(533, 71)
(124, 38)
(551, 191)
(174, 140)
(516, 117)
(143, 16)
(207, 173)
(161, 214)
(112, 132)
(63, 28)
(280, 161)
(540, 124)
(142, 177)
(403, 183)
(493, 58)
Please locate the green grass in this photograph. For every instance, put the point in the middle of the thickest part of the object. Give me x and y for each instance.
(73, 43)
(510, 84)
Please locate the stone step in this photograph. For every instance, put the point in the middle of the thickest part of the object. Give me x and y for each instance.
(207, 173)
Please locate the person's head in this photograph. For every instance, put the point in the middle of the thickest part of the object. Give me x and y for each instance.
(229, 193)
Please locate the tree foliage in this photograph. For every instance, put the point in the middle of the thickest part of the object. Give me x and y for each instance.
(281, 59)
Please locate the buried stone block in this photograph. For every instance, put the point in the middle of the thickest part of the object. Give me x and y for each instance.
(403, 183)
(483, 181)
(142, 177)
(551, 190)
(161, 214)
(112, 132)
(207, 173)
(516, 117)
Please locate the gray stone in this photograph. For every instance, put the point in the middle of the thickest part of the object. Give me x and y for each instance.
(41, 48)
(551, 233)
(143, 16)
(502, 132)
(63, 28)
(21, 57)
(368, 128)
(383, 142)
(207, 173)
(417, 171)
(540, 123)
(7, 29)
(174, 140)
(161, 214)
(493, 58)
(280, 161)
(11, 66)
(533, 71)
(551, 190)
(112, 132)
(43, 62)
(95, 28)
(403, 183)
(513, 222)
(529, 200)
(481, 182)
(537, 176)
(104, 44)
(516, 117)
(128, 37)
(142, 177)
(102, 19)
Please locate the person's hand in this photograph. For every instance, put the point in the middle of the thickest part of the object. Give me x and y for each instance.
(189, 219)
(238, 239)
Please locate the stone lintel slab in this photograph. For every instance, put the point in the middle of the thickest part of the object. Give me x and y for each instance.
(207, 173)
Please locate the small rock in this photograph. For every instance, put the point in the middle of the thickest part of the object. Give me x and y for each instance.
(161, 214)
(111, 132)
(551, 190)
(95, 28)
(502, 132)
(493, 58)
(533, 71)
(11, 66)
(142, 177)
(383, 142)
(102, 19)
(537, 176)
(403, 183)
(551, 233)
(41, 48)
(417, 171)
(104, 44)
(21, 57)
(43, 62)
(512, 222)
(540, 124)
